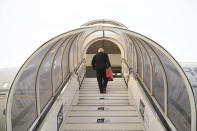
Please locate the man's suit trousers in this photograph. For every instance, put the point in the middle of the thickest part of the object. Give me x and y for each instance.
(101, 78)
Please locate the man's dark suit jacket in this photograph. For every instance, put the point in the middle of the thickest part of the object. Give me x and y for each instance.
(100, 61)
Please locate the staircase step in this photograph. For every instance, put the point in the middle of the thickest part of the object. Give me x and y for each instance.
(114, 80)
(103, 113)
(103, 101)
(121, 81)
(105, 97)
(109, 83)
(89, 108)
(98, 94)
(94, 79)
(108, 91)
(95, 82)
(106, 104)
(108, 87)
(90, 120)
(103, 127)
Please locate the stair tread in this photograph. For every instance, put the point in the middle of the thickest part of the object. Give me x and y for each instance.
(98, 94)
(103, 127)
(96, 89)
(106, 119)
(108, 86)
(108, 92)
(103, 101)
(85, 107)
(105, 104)
(103, 113)
(104, 97)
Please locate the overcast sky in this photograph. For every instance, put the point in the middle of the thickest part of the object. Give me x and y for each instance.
(25, 24)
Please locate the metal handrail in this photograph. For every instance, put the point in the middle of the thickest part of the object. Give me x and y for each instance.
(131, 71)
(124, 60)
(77, 69)
(126, 81)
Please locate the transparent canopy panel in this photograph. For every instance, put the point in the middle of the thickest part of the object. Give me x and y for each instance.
(44, 82)
(157, 77)
(190, 69)
(24, 110)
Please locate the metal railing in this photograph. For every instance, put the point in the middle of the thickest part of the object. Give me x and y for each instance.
(127, 71)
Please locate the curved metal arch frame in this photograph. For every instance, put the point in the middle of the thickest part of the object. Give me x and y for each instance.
(124, 60)
(70, 48)
(134, 52)
(104, 38)
(128, 49)
(126, 41)
(97, 29)
(164, 78)
(134, 45)
(164, 112)
(141, 58)
(82, 38)
(116, 33)
(121, 40)
(53, 64)
(37, 73)
(85, 38)
(103, 21)
(165, 82)
(75, 46)
(69, 51)
(131, 48)
(38, 76)
(37, 94)
(151, 68)
(70, 41)
(11, 92)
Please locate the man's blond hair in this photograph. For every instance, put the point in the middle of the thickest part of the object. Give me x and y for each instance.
(100, 50)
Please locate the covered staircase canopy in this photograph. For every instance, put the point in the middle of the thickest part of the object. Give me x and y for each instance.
(51, 64)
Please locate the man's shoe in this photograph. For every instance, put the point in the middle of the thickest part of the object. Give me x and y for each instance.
(101, 91)
(104, 90)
